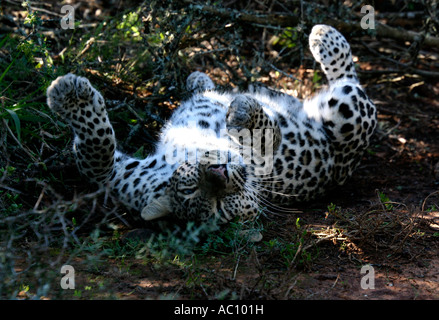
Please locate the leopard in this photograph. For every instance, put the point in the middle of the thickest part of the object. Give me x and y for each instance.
(227, 155)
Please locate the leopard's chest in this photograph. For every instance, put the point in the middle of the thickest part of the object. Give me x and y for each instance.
(196, 129)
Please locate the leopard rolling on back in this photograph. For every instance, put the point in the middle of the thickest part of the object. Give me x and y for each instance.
(199, 171)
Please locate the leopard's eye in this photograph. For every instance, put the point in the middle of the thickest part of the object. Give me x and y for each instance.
(187, 191)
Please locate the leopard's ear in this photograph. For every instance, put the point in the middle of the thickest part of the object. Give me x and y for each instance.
(158, 208)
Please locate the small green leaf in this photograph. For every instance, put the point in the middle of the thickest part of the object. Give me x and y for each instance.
(139, 154)
(16, 119)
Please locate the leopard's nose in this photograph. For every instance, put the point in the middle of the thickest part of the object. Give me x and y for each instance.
(219, 170)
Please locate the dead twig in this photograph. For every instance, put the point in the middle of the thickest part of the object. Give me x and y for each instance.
(289, 20)
(425, 200)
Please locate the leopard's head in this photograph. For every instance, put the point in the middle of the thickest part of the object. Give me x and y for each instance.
(206, 192)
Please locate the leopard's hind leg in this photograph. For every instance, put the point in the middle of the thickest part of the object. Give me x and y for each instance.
(347, 114)
(83, 107)
(330, 48)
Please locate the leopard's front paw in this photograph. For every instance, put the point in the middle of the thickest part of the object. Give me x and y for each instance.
(67, 93)
(198, 82)
(240, 112)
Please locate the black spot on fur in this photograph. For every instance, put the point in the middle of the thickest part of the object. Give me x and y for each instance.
(347, 89)
(332, 102)
(203, 124)
(282, 121)
(345, 110)
(152, 164)
(361, 93)
(160, 187)
(346, 128)
(136, 182)
(132, 165)
(101, 132)
(305, 157)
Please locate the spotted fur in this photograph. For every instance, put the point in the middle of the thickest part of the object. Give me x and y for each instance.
(199, 171)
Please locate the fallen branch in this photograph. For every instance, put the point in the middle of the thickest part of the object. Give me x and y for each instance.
(288, 20)
(408, 70)
(283, 20)
(384, 31)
